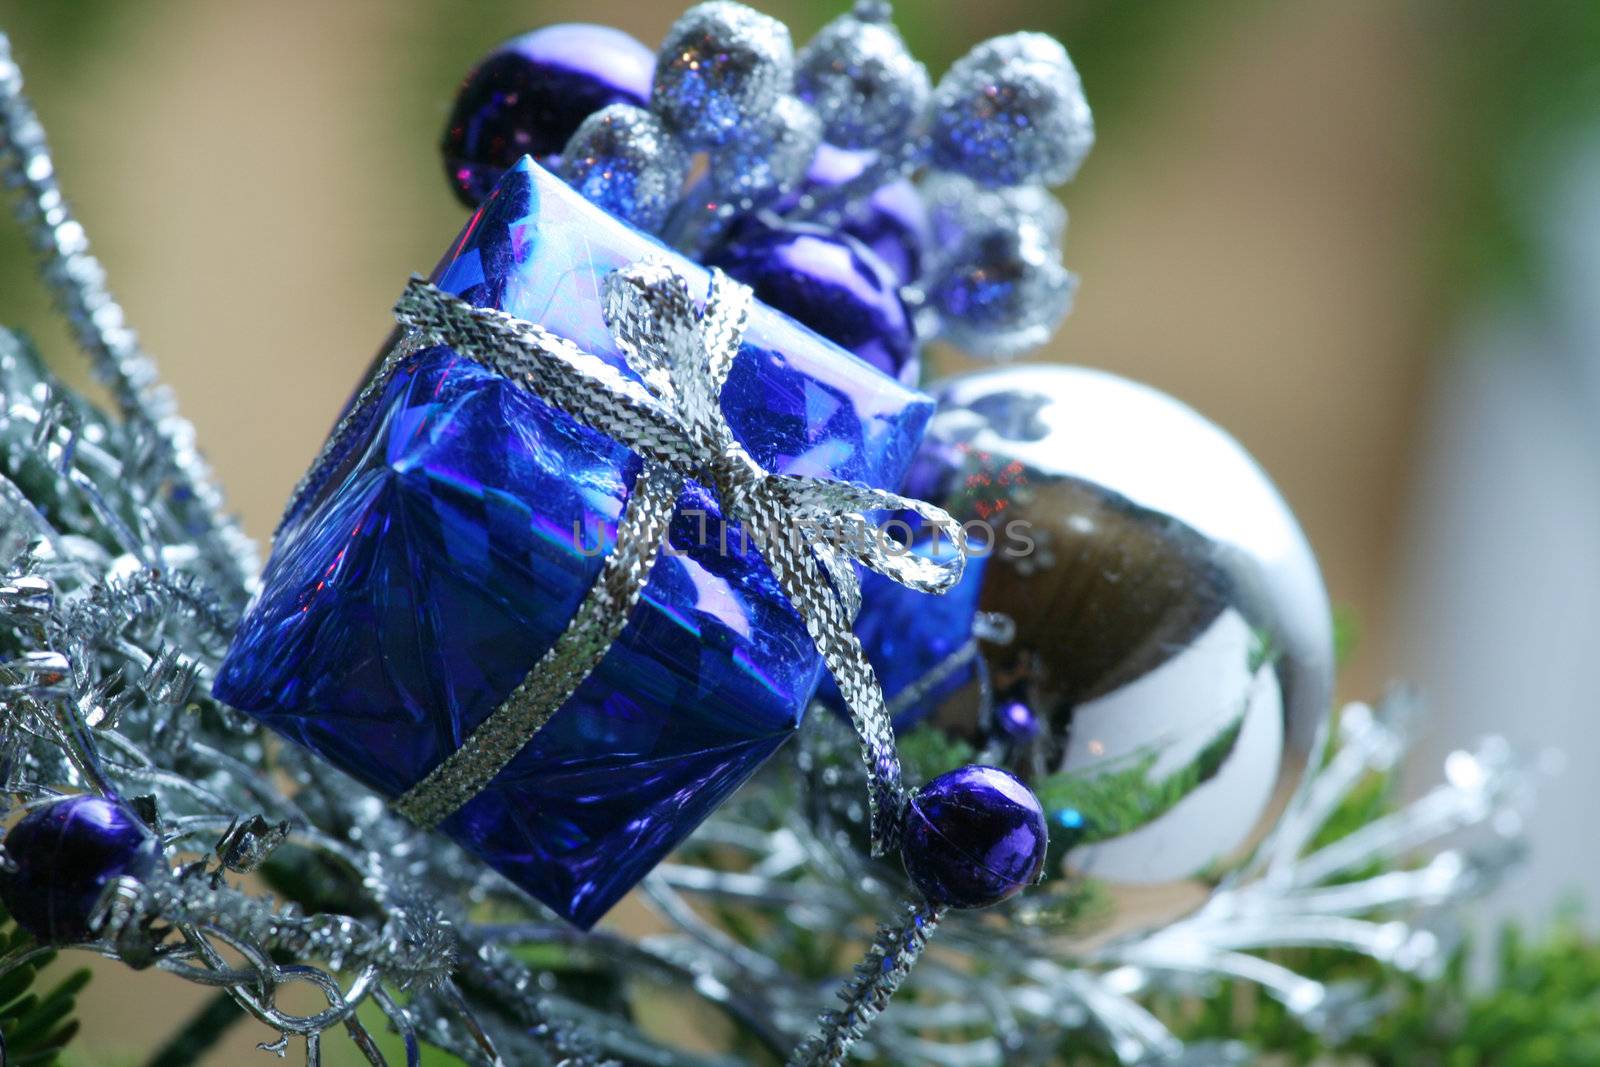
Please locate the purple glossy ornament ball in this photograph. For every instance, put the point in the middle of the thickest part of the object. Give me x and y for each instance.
(974, 836)
(893, 221)
(1017, 721)
(831, 283)
(529, 95)
(60, 858)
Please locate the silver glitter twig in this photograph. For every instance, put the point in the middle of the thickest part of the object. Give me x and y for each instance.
(894, 952)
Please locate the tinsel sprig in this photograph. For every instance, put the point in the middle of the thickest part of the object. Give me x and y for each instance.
(895, 950)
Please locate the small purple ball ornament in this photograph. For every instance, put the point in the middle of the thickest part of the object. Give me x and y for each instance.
(530, 94)
(974, 837)
(60, 858)
(831, 283)
(1016, 721)
(893, 221)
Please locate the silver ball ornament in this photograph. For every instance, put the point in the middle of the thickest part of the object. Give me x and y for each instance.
(624, 160)
(1012, 111)
(862, 81)
(770, 156)
(1003, 291)
(1172, 637)
(721, 66)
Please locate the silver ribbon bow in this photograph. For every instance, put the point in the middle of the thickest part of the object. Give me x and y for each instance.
(674, 421)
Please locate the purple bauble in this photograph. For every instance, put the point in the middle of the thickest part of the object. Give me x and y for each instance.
(1017, 721)
(974, 836)
(61, 857)
(532, 92)
(831, 283)
(893, 221)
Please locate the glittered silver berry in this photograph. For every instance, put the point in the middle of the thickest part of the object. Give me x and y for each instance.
(861, 80)
(1002, 292)
(623, 159)
(722, 65)
(772, 154)
(959, 207)
(1011, 112)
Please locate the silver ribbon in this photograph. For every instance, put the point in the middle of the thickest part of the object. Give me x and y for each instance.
(674, 421)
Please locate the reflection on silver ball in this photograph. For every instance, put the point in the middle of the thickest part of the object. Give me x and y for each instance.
(1173, 639)
(1012, 111)
(1003, 292)
(623, 160)
(721, 66)
(959, 207)
(771, 156)
(862, 81)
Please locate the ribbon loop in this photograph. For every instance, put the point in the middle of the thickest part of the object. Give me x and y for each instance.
(871, 544)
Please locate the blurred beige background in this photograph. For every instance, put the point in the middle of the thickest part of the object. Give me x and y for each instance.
(1256, 231)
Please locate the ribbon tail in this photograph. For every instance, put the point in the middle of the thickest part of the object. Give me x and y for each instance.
(722, 326)
(829, 624)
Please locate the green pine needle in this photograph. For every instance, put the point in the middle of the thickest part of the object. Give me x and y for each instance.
(36, 1024)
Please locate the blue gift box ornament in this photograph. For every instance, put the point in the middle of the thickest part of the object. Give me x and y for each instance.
(451, 531)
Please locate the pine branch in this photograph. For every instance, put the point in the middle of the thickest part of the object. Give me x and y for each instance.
(35, 1026)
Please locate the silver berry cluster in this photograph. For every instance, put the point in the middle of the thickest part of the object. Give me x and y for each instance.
(1006, 121)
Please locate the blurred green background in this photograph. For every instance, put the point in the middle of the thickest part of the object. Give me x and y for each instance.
(1295, 212)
